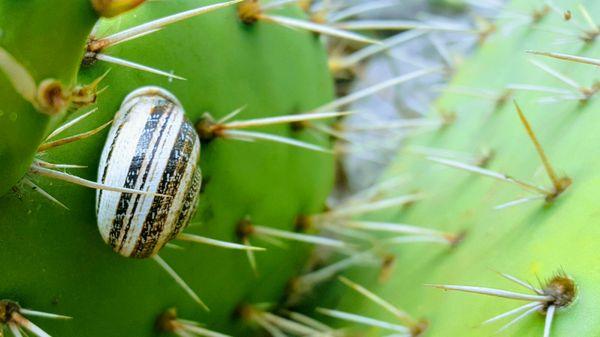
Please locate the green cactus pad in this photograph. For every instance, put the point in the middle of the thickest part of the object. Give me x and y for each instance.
(37, 35)
(534, 239)
(55, 260)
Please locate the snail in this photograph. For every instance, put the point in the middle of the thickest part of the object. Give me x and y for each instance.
(151, 147)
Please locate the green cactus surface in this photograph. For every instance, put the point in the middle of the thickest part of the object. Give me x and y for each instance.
(55, 260)
(532, 240)
(37, 35)
(505, 188)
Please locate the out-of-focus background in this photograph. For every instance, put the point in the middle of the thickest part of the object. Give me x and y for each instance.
(371, 140)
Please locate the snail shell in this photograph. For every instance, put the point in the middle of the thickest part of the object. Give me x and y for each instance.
(151, 147)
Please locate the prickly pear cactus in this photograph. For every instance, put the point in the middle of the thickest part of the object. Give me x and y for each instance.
(55, 259)
(496, 192)
(483, 176)
(49, 50)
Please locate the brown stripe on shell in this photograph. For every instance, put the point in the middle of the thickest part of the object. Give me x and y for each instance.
(122, 214)
(189, 205)
(149, 166)
(108, 157)
(153, 227)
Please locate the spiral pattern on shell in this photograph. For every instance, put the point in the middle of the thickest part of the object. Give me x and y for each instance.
(151, 147)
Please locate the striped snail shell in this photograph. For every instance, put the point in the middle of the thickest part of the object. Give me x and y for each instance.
(151, 147)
